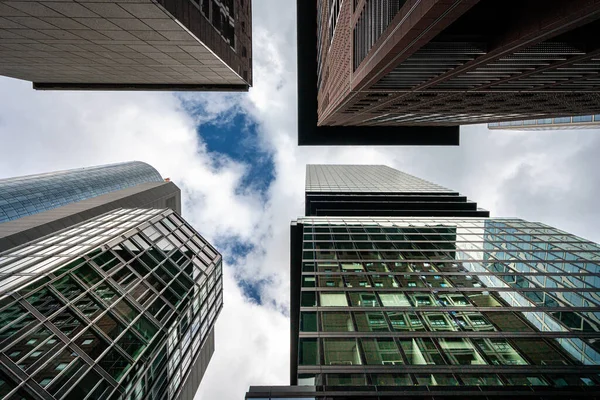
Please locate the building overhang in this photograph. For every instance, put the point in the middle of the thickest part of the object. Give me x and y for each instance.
(171, 87)
(310, 134)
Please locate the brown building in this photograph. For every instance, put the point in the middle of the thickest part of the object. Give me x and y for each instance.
(453, 62)
(128, 44)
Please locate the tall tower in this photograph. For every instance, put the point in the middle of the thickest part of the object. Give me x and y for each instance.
(447, 63)
(114, 296)
(417, 299)
(128, 45)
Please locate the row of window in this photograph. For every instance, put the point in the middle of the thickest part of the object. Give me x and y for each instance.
(453, 266)
(463, 379)
(435, 298)
(417, 280)
(546, 121)
(431, 351)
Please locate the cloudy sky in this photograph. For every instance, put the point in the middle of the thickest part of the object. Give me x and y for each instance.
(242, 175)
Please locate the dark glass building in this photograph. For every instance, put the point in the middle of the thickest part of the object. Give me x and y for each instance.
(31, 194)
(128, 45)
(113, 297)
(436, 306)
(417, 63)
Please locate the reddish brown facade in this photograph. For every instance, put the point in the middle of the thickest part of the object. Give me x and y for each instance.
(449, 62)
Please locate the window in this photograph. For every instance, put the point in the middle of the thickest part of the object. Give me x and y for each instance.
(481, 380)
(308, 299)
(61, 366)
(346, 379)
(394, 300)
(131, 344)
(371, 322)
(405, 321)
(460, 351)
(499, 352)
(333, 299)
(308, 281)
(341, 352)
(308, 321)
(421, 351)
(337, 322)
(436, 379)
(308, 352)
(363, 299)
(381, 352)
(115, 364)
(391, 379)
(585, 118)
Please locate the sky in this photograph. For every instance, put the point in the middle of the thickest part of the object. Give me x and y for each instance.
(235, 158)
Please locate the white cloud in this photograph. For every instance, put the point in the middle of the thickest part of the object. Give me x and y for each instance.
(544, 176)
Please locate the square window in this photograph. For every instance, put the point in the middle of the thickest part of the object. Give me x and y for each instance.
(87, 342)
(61, 366)
(44, 382)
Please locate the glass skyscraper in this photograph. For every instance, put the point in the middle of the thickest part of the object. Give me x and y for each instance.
(428, 302)
(31, 194)
(120, 305)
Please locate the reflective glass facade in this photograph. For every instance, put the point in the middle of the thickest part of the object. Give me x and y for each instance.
(28, 195)
(578, 122)
(117, 307)
(438, 306)
(460, 302)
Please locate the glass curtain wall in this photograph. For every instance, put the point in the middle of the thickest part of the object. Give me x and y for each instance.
(480, 302)
(116, 307)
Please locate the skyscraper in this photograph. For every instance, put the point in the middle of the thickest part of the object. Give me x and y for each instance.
(436, 305)
(545, 124)
(382, 63)
(128, 45)
(114, 296)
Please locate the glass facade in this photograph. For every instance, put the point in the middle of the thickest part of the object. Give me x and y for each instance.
(117, 307)
(479, 299)
(438, 307)
(28, 195)
(577, 122)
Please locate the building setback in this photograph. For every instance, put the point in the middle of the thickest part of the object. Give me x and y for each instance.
(447, 63)
(546, 124)
(128, 45)
(114, 296)
(435, 306)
